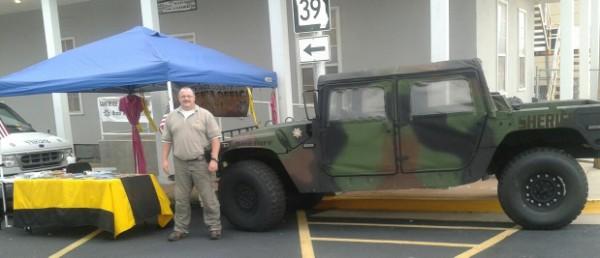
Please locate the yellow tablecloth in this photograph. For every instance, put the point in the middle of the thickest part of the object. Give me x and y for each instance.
(114, 205)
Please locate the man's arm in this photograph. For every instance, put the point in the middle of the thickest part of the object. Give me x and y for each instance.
(215, 145)
(166, 149)
(213, 164)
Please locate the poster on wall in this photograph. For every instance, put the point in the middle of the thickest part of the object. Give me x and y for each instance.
(175, 6)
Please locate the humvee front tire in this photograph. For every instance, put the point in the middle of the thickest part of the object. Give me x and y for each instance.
(543, 189)
(252, 196)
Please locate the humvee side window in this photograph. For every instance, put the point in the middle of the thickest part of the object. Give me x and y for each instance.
(373, 103)
(441, 97)
(357, 103)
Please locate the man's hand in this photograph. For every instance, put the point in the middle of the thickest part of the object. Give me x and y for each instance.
(213, 166)
(165, 166)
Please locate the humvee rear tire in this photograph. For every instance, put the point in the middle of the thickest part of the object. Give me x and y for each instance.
(543, 188)
(252, 196)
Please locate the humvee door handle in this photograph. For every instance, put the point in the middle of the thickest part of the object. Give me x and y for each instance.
(308, 145)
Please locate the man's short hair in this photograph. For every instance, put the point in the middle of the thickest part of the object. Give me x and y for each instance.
(185, 88)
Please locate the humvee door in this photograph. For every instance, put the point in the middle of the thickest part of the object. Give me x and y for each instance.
(441, 122)
(358, 136)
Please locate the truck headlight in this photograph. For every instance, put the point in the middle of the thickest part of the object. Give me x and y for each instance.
(10, 161)
(69, 156)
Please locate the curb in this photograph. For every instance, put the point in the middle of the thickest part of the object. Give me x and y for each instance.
(484, 205)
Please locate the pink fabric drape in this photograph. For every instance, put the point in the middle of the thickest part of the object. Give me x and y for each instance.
(132, 106)
(275, 117)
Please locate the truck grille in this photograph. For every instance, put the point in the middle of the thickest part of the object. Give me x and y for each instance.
(41, 160)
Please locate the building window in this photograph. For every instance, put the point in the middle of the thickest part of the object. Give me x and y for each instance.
(502, 37)
(522, 21)
(189, 37)
(306, 76)
(74, 99)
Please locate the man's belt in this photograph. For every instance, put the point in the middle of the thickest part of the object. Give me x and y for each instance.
(201, 158)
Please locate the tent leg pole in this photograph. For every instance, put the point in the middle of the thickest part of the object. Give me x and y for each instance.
(170, 89)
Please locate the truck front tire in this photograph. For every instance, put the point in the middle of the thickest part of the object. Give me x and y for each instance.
(252, 196)
(543, 188)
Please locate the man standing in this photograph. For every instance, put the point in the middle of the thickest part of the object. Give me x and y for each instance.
(189, 129)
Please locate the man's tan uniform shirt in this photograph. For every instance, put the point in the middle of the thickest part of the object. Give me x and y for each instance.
(190, 136)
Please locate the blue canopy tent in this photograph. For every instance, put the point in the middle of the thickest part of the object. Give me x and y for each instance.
(136, 60)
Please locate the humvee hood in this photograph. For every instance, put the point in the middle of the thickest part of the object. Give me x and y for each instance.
(280, 138)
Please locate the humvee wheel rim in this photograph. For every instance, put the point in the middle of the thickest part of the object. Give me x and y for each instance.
(544, 190)
(245, 196)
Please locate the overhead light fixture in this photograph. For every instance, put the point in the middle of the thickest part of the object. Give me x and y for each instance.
(17, 1)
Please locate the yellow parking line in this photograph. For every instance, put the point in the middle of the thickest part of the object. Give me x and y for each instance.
(592, 207)
(75, 244)
(407, 226)
(306, 248)
(396, 242)
(488, 243)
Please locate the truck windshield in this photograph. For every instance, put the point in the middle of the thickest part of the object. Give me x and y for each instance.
(13, 122)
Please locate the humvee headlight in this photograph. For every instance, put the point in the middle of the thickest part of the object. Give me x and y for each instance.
(10, 161)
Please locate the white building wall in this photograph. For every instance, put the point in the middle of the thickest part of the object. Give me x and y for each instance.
(22, 44)
(513, 51)
(374, 34)
(486, 39)
(463, 29)
(383, 33)
(486, 45)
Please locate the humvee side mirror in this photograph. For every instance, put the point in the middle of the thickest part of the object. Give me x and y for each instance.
(311, 97)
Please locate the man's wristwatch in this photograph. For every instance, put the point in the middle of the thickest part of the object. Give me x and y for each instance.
(215, 159)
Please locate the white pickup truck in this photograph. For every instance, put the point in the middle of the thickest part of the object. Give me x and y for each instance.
(24, 150)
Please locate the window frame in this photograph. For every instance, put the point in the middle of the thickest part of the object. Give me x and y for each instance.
(522, 22)
(467, 79)
(502, 88)
(79, 97)
(78, 94)
(182, 36)
(356, 86)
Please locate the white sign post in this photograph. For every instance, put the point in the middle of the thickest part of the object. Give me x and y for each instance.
(314, 49)
(311, 15)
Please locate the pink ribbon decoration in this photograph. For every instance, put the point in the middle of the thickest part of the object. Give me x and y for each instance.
(132, 106)
(274, 115)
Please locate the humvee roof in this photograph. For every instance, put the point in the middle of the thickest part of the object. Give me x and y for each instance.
(433, 68)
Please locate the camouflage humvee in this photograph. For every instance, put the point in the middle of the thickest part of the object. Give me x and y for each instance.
(432, 126)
